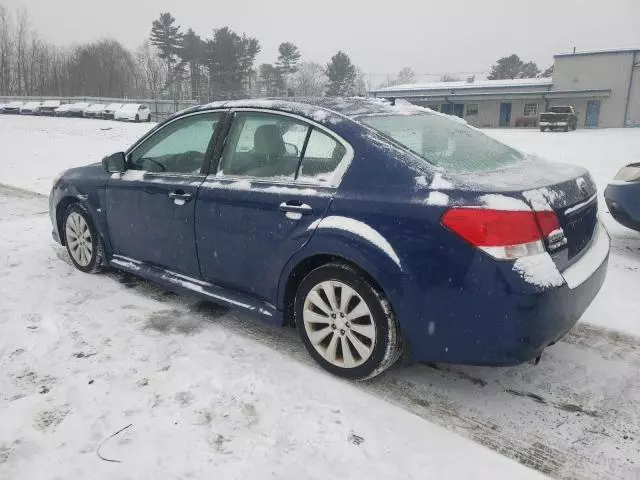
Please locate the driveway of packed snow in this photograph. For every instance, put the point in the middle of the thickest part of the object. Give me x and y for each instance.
(212, 393)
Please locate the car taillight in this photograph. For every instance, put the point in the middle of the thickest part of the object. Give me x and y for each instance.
(504, 234)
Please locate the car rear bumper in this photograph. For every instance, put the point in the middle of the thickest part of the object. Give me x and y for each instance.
(496, 318)
(553, 124)
(623, 202)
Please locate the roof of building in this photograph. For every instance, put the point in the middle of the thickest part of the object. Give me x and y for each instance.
(599, 51)
(508, 83)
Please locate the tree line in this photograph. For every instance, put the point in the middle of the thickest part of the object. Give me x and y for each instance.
(170, 64)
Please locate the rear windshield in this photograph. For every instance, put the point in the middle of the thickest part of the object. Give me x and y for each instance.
(444, 142)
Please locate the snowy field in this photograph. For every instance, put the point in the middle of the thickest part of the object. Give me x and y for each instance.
(209, 392)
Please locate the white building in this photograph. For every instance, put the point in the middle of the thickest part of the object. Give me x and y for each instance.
(603, 86)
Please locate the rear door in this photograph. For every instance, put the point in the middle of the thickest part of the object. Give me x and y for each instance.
(277, 176)
(151, 207)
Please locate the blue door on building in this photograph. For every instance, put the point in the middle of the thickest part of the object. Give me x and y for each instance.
(505, 114)
(593, 113)
(458, 110)
(446, 108)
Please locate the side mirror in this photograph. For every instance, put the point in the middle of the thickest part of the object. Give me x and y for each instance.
(114, 163)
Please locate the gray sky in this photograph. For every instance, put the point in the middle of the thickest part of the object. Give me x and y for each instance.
(429, 36)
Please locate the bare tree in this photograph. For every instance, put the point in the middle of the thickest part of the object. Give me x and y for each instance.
(6, 50)
(310, 80)
(21, 42)
(153, 69)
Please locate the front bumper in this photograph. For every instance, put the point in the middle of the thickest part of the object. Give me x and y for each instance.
(623, 202)
(494, 317)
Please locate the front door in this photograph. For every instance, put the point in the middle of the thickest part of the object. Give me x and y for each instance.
(593, 113)
(277, 177)
(505, 114)
(151, 207)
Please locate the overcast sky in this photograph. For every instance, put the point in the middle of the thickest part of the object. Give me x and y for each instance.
(380, 36)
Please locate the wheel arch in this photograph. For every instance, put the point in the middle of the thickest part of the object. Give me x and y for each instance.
(61, 208)
(301, 265)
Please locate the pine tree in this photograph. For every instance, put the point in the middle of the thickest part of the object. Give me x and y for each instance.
(192, 53)
(288, 58)
(512, 67)
(167, 38)
(230, 59)
(342, 75)
(548, 72)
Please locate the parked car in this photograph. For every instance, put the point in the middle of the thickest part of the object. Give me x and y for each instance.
(622, 196)
(12, 107)
(30, 108)
(2, 105)
(559, 117)
(77, 109)
(62, 110)
(110, 110)
(133, 112)
(375, 229)
(49, 107)
(94, 111)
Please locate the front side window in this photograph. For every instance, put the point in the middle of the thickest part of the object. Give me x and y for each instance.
(280, 148)
(443, 142)
(180, 147)
(530, 109)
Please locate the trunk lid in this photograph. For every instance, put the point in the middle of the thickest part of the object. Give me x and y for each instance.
(568, 190)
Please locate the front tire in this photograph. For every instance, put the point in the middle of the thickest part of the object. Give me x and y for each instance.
(137, 118)
(542, 129)
(82, 239)
(346, 323)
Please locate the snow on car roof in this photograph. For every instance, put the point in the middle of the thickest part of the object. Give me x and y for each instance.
(309, 107)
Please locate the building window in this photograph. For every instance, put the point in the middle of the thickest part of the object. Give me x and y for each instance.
(472, 109)
(530, 109)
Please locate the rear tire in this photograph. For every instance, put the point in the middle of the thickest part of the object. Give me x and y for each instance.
(82, 240)
(566, 129)
(149, 118)
(346, 323)
(137, 118)
(542, 129)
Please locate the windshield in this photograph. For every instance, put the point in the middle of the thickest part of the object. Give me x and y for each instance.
(114, 106)
(443, 142)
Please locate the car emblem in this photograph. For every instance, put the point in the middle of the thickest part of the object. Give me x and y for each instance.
(582, 185)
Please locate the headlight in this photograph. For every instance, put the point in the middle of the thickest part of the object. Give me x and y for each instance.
(630, 173)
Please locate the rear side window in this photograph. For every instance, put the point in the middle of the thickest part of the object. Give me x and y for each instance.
(322, 156)
(280, 148)
(445, 143)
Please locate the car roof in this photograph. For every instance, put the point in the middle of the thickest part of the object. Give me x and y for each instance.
(349, 107)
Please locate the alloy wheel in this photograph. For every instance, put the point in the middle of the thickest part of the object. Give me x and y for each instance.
(339, 324)
(79, 239)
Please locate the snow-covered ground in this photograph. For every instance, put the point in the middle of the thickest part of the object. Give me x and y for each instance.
(212, 393)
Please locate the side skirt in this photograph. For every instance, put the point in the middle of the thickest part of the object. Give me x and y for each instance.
(177, 281)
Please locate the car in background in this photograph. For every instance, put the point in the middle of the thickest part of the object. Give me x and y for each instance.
(375, 229)
(30, 108)
(110, 110)
(48, 107)
(559, 117)
(622, 196)
(78, 109)
(94, 111)
(62, 110)
(12, 107)
(133, 112)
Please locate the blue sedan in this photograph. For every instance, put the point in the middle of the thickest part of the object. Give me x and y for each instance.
(622, 196)
(378, 231)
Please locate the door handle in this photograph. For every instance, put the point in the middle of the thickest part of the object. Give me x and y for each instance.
(181, 195)
(296, 207)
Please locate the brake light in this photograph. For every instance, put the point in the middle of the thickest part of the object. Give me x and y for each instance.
(503, 234)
